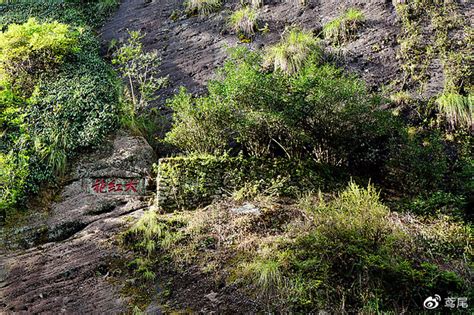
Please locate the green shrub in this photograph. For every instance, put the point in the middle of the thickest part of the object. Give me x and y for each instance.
(140, 71)
(67, 100)
(418, 164)
(345, 27)
(28, 49)
(81, 102)
(203, 7)
(355, 253)
(316, 113)
(12, 120)
(244, 21)
(295, 47)
(439, 202)
(199, 125)
(14, 172)
(86, 13)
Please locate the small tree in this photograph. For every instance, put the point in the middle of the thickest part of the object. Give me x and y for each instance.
(141, 71)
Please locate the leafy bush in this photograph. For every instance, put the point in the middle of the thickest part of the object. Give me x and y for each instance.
(14, 172)
(80, 102)
(67, 100)
(316, 113)
(439, 202)
(204, 7)
(140, 70)
(28, 49)
(418, 164)
(85, 13)
(244, 21)
(292, 51)
(344, 28)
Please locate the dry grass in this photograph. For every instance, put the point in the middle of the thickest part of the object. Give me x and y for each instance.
(292, 51)
(203, 7)
(244, 21)
(344, 28)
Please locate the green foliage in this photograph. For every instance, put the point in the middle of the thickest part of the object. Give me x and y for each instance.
(264, 273)
(140, 70)
(345, 27)
(418, 164)
(204, 7)
(316, 113)
(187, 182)
(14, 172)
(438, 203)
(200, 125)
(457, 109)
(354, 253)
(244, 21)
(81, 102)
(86, 13)
(63, 99)
(28, 49)
(295, 47)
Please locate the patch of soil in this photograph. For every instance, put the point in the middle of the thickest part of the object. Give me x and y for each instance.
(195, 291)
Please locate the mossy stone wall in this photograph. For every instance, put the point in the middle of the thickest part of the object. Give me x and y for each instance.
(190, 182)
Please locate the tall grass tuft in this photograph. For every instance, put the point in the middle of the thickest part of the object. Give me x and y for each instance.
(292, 51)
(344, 28)
(203, 7)
(257, 3)
(457, 109)
(244, 21)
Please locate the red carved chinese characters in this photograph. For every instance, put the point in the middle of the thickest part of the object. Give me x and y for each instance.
(101, 186)
(131, 186)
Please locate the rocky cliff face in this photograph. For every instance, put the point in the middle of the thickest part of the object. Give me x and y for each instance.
(61, 260)
(193, 47)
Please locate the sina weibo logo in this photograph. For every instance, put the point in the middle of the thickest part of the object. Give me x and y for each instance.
(432, 302)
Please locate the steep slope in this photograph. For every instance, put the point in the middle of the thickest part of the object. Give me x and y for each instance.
(193, 47)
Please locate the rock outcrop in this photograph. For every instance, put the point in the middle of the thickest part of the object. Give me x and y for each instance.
(61, 261)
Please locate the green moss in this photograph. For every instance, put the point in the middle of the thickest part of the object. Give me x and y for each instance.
(187, 182)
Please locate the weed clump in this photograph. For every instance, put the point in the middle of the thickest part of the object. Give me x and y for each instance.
(295, 47)
(345, 27)
(203, 7)
(244, 21)
(457, 109)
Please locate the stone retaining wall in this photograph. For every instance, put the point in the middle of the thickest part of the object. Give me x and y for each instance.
(190, 182)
